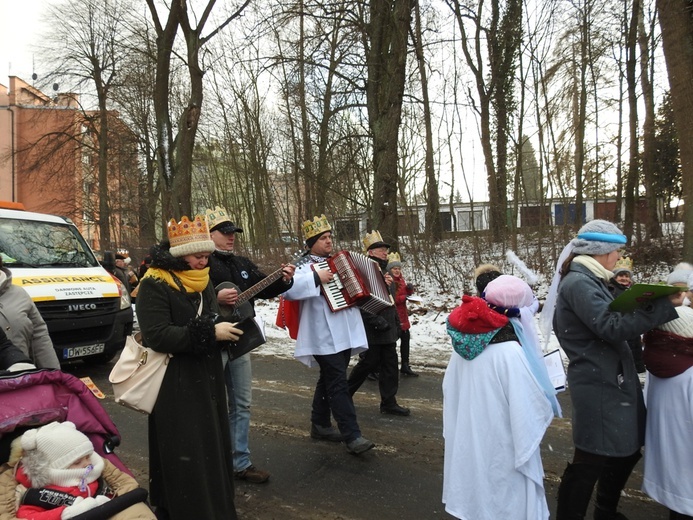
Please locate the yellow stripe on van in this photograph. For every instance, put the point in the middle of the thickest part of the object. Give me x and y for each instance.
(24, 281)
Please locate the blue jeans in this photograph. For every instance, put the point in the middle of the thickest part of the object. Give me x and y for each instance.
(332, 395)
(239, 382)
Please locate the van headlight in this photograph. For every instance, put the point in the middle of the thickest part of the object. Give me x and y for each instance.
(125, 301)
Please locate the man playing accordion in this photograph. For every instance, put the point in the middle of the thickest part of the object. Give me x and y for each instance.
(382, 330)
(327, 339)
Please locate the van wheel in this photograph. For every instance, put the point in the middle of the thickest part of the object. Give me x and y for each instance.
(99, 359)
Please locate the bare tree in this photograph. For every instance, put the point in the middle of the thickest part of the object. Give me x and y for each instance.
(386, 43)
(434, 228)
(493, 44)
(89, 59)
(646, 41)
(676, 22)
(175, 154)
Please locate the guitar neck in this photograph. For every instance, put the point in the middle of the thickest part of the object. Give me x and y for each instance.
(260, 286)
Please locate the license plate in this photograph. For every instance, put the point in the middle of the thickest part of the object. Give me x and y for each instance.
(86, 350)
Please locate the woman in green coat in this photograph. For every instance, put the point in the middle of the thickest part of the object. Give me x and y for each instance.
(190, 467)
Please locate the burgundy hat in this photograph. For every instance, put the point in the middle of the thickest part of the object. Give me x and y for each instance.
(475, 317)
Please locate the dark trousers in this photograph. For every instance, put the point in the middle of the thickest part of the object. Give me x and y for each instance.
(332, 395)
(404, 339)
(381, 359)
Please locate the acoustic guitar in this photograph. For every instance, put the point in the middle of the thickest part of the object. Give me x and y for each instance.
(243, 314)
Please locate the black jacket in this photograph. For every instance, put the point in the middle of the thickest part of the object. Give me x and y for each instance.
(244, 273)
(382, 328)
(190, 467)
(9, 353)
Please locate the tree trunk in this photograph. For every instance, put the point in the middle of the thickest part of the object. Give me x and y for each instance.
(653, 229)
(632, 176)
(386, 59)
(677, 39)
(434, 228)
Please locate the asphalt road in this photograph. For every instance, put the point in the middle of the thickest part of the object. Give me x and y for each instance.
(400, 479)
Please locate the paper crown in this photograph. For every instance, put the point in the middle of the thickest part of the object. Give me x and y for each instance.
(394, 257)
(216, 216)
(372, 239)
(315, 227)
(189, 237)
(623, 264)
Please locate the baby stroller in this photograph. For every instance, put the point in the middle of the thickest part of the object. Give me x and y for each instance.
(36, 397)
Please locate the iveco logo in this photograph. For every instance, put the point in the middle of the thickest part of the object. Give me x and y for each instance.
(81, 307)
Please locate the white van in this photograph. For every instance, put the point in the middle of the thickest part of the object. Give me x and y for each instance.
(87, 310)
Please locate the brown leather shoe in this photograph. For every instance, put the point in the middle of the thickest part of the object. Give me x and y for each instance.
(253, 475)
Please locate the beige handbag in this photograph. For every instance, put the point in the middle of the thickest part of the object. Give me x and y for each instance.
(137, 375)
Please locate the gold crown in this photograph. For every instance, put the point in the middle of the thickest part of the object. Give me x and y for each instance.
(624, 263)
(189, 237)
(315, 227)
(216, 216)
(393, 257)
(372, 238)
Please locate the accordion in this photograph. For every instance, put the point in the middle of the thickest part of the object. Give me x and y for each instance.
(357, 280)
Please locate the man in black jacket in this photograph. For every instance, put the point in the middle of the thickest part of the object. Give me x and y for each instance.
(382, 330)
(225, 266)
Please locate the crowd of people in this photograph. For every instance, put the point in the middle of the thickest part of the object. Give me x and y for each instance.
(495, 353)
(194, 293)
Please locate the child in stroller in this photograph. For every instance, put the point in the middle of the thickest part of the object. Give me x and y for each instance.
(59, 400)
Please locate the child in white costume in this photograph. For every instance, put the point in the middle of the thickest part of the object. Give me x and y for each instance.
(496, 408)
(668, 356)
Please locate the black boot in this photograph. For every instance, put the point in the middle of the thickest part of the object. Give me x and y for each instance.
(407, 371)
(613, 479)
(575, 490)
(673, 515)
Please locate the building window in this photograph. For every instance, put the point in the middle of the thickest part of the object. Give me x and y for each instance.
(469, 220)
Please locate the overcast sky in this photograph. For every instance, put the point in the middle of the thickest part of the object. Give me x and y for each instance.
(19, 28)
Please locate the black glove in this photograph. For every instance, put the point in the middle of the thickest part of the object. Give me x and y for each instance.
(410, 287)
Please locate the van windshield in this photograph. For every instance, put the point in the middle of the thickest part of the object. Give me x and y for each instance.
(28, 243)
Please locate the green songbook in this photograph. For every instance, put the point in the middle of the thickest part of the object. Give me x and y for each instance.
(640, 293)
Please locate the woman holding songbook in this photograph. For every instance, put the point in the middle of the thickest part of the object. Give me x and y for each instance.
(608, 410)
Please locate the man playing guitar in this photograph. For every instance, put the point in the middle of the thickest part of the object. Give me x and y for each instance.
(225, 266)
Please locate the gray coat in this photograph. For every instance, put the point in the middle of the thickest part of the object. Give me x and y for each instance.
(608, 409)
(24, 326)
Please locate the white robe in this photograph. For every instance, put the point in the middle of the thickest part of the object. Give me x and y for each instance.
(494, 418)
(668, 477)
(321, 331)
